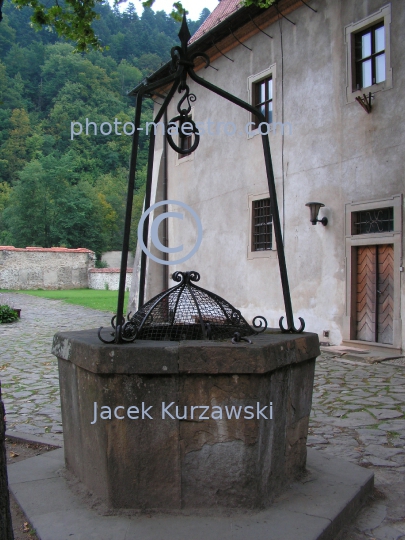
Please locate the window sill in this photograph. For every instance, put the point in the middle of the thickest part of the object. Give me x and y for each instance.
(380, 87)
(265, 254)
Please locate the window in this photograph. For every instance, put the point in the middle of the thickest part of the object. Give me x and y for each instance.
(263, 99)
(370, 56)
(262, 225)
(373, 221)
(261, 94)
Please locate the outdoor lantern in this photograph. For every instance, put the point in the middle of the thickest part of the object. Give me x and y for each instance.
(314, 208)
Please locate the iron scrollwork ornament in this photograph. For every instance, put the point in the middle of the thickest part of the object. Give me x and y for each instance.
(291, 329)
(186, 125)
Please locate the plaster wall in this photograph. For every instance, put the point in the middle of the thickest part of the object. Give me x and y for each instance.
(41, 268)
(113, 259)
(336, 153)
(108, 278)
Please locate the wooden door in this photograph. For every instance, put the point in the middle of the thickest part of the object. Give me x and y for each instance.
(375, 293)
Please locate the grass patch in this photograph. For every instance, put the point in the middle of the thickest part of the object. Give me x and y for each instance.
(90, 298)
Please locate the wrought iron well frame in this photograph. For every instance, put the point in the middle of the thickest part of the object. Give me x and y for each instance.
(183, 66)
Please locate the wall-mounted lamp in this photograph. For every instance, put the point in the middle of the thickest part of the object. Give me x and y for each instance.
(314, 208)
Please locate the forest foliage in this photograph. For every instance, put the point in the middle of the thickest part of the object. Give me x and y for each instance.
(55, 191)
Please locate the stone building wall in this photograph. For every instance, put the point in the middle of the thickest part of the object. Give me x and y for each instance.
(44, 268)
(335, 153)
(108, 278)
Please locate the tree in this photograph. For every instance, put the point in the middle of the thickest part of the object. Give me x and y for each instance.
(73, 19)
(15, 151)
(6, 528)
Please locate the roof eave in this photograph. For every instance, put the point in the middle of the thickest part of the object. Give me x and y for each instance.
(205, 41)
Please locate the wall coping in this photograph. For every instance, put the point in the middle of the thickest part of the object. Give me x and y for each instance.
(41, 249)
(108, 270)
(268, 352)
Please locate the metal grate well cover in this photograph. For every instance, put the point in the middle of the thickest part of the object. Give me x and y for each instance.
(188, 312)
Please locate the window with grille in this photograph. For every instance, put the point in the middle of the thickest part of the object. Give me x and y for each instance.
(373, 221)
(263, 100)
(262, 225)
(370, 56)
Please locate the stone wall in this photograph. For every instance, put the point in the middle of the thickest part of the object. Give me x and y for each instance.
(108, 278)
(44, 268)
(113, 259)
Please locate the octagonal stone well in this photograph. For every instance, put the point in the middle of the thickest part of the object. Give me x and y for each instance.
(164, 461)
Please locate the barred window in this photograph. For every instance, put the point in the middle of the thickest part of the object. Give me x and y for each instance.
(262, 225)
(373, 221)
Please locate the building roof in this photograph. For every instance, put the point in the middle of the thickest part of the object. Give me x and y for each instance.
(220, 13)
(226, 27)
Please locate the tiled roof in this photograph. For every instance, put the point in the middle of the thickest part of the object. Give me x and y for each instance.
(220, 13)
(41, 249)
(108, 270)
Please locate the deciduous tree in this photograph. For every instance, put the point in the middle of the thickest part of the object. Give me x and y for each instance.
(6, 528)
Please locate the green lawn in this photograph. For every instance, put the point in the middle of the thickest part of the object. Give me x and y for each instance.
(102, 300)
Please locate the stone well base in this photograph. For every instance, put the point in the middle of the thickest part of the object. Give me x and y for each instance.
(128, 446)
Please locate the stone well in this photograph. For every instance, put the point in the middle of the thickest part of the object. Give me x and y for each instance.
(171, 463)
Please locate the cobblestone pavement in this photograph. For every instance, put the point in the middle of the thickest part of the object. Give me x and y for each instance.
(358, 409)
(358, 415)
(28, 370)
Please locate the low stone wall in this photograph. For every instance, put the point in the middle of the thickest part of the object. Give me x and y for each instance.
(108, 278)
(44, 268)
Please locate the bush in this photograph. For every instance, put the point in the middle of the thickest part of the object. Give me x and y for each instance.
(7, 314)
(100, 264)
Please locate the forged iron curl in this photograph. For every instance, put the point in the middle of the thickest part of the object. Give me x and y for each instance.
(191, 98)
(182, 118)
(259, 324)
(292, 329)
(186, 277)
(116, 330)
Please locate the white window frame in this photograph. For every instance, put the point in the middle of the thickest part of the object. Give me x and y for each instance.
(266, 253)
(269, 72)
(382, 15)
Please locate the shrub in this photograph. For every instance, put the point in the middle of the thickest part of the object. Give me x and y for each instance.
(100, 264)
(7, 314)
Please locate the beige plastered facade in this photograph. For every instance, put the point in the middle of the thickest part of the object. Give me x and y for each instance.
(332, 151)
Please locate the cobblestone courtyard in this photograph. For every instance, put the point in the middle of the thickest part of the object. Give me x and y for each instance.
(358, 409)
